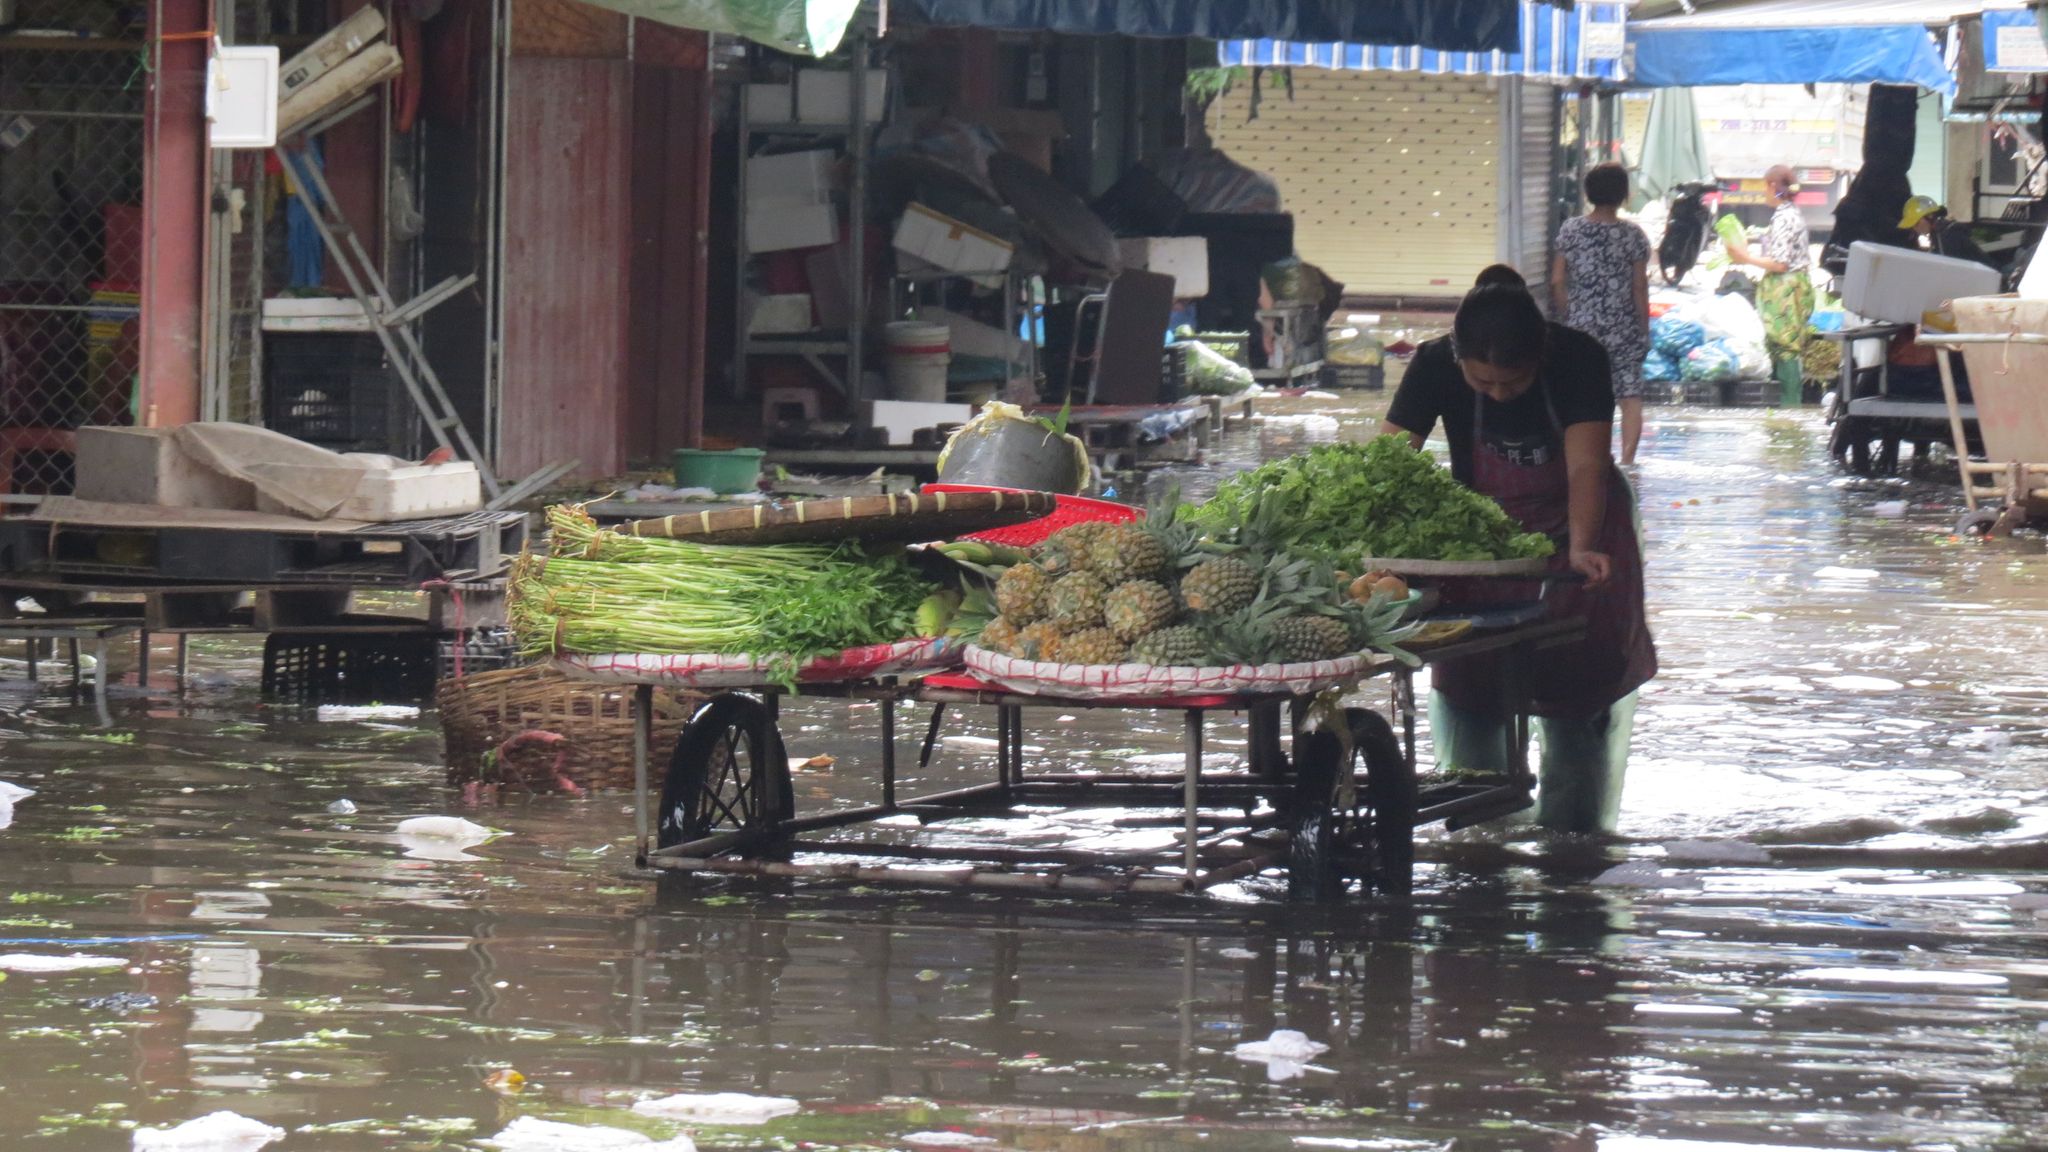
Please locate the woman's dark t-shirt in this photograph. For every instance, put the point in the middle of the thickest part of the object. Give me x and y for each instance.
(1574, 375)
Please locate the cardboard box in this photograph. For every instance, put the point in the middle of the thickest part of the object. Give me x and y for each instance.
(780, 315)
(826, 97)
(943, 242)
(770, 103)
(1185, 258)
(803, 177)
(779, 225)
(119, 465)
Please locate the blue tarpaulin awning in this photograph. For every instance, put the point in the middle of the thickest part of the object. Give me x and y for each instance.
(1799, 42)
(1580, 44)
(1454, 25)
(2013, 42)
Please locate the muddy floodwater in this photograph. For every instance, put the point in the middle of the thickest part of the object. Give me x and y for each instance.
(1839, 674)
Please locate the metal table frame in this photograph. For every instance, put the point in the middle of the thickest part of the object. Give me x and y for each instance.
(1212, 848)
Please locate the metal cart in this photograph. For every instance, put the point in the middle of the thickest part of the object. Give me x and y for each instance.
(2005, 344)
(1341, 804)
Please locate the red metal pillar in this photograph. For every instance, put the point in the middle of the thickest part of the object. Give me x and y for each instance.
(174, 156)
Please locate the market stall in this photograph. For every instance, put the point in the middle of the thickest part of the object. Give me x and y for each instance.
(1236, 606)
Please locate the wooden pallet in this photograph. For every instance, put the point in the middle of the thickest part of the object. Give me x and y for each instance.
(144, 542)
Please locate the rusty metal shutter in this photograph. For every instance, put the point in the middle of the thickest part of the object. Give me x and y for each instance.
(1392, 178)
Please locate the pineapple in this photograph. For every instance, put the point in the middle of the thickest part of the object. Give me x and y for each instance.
(1092, 646)
(1126, 552)
(999, 635)
(1075, 601)
(1039, 641)
(1181, 646)
(1301, 639)
(1020, 592)
(1139, 607)
(1066, 550)
(1220, 585)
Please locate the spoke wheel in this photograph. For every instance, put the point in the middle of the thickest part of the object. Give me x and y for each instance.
(728, 774)
(1373, 838)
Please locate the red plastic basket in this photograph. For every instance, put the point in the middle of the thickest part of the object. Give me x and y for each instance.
(1067, 511)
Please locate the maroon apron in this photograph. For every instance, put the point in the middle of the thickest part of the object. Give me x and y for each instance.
(1531, 483)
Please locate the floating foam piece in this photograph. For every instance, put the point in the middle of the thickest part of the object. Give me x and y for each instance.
(1714, 852)
(1286, 1053)
(945, 1140)
(214, 1132)
(10, 792)
(718, 1107)
(444, 828)
(528, 1134)
(76, 962)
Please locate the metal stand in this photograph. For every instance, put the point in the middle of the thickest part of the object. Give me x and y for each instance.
(391, 323)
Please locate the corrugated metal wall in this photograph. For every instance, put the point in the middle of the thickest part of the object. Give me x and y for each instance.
(1536, 203)
(1392, 179)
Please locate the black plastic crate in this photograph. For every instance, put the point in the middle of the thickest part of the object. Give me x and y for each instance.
(334, 668)
(482, 649)
(327, 389)
(1369, 377)
(1752, 393)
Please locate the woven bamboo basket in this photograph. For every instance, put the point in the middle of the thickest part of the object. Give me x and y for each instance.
(591, 726)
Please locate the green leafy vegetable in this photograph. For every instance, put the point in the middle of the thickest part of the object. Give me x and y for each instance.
(1342, 502)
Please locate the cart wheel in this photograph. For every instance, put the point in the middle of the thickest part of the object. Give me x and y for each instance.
(728, 774)
(1377, 836)
(1978, 522)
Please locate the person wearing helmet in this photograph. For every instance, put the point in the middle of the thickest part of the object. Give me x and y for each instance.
(1945, 237)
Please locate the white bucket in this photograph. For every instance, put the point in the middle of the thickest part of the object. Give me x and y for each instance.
(916, 355)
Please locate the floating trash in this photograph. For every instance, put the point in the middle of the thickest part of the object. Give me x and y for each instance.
(527, 1134)
(718, 1107)
(214, 1132)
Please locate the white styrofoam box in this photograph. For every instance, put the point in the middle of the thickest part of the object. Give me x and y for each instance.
(241, 96)
(778, 225)
(780, 314)
(1185, 258)
(415, 492)
(943, 242)
(974, 338)
(314, 314)
(805, 177)
(1901, 285)
(901, 419)
(770, 104)
(2033, 283)
(826, 97)
(121, 465)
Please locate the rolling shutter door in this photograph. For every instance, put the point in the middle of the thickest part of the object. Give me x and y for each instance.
(1392, 178)
(1530, 218)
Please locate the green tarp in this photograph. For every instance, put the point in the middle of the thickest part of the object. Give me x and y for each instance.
(805, 27)
(1674, 148)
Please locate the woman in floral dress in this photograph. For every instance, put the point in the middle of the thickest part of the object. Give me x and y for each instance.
(1599, 284)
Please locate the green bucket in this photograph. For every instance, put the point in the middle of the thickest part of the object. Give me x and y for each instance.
(732, 470)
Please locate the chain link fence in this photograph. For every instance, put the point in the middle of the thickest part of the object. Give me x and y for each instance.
(70, 251)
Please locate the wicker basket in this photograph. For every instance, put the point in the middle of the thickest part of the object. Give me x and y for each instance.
(594, 723)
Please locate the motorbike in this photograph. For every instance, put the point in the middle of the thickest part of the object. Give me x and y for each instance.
(1687, 229)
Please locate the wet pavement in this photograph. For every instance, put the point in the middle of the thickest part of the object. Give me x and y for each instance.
(1835, 677)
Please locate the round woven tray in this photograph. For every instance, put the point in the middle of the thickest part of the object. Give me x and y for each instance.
(904, 517)
(903, 658)
(1535, 567)
(1148, 681)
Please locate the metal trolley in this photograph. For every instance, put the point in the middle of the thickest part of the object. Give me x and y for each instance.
(1337, 802)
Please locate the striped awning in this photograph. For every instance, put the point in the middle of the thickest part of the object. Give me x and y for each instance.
(1584, 42)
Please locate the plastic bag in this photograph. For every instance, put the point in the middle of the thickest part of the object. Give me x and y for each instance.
(1353, 347)
(1727, 316)
(1711, 363)
(1210, 373)
(1674, 335)
(1659, 368)
(1004, 447)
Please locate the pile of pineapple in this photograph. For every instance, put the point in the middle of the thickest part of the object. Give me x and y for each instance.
(1152, 592)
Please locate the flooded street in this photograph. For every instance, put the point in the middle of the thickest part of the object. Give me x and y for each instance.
(1837, 676)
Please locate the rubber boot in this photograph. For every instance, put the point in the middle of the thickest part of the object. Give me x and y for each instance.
(1791, 382)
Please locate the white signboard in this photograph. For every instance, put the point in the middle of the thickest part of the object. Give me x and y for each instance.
(2021, 49)
(1604, 41)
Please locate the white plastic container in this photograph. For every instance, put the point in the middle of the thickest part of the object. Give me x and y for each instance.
(1185, 258)
(916, 355)
(1898, 285)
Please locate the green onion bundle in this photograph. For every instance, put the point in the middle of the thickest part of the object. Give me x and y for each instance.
(602, 592)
